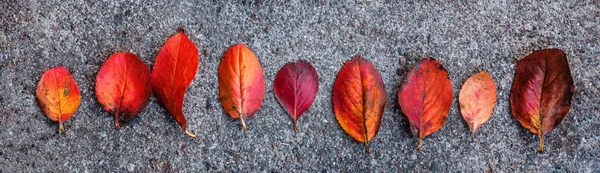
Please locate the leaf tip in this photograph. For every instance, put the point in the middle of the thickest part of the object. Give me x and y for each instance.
(239, 44)
(180, 29)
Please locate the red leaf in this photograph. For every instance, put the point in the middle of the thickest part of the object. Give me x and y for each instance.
(174, 70)
(541, 92)
(241, 83)
(123, 85)
(425, 98)
(58, 95)
(359, 99)
(296, 86)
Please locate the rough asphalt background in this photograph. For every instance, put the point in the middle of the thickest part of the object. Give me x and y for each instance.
(465, 37)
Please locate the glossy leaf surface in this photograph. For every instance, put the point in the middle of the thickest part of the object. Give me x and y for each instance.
(296, 85)
(58, 95)
(477, 100)
(175, 68)
(541, 92)
(359, 99)
(425, 98)
(123, 86)
(241, 83)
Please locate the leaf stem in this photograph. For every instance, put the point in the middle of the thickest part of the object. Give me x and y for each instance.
(243, 122)
(117, 125)
(420, 144)
(296, 126)
(473, 135)
(367, 148)
(541, 149)
(190, 134)
(60, 127)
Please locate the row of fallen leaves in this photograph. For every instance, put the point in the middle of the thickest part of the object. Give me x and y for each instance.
(540, 96)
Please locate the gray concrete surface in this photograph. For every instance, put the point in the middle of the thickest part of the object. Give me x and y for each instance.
(465, 37)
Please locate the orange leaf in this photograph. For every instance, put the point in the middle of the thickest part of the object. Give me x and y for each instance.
(425, 98)
(58, 95)
(241, 83)
(175, 68)
(477, 100)
(359, 99)
(541, 92)
(123, 85)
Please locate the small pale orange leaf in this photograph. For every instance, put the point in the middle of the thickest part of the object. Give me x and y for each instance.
(477, 100)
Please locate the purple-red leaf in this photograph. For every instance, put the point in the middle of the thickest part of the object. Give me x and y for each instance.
(541, 92)
(296, 86)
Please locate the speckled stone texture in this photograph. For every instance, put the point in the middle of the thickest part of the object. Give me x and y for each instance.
(465, 37)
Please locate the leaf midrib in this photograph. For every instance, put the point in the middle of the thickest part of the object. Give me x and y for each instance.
(240, 80)
(364, 104)
(123, 87)
(59, 96)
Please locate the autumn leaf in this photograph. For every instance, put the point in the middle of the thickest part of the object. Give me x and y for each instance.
(477, 100)
(425, 98)
(541, 92)
(241, 83)
(175, 68)
(296, 85)
(359, 99)
(58, 95)
(123, 85)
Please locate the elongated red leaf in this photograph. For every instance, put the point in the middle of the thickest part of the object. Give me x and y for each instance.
(296, 86)
(541, 92)
(477, 100)
(359, 99)
(241, 83)
(175, 68)
(123, 85)
(425, 98)
(58, 95)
